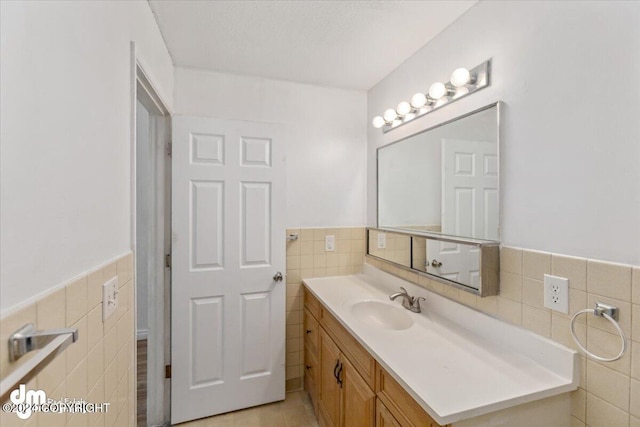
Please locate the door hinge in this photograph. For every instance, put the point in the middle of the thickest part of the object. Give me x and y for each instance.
(169, 149)
(167, 371)
(167, 260)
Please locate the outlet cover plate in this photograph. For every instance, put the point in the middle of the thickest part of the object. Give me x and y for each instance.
(109, 298)
(329, 243)
(556, 293)
(382, 240)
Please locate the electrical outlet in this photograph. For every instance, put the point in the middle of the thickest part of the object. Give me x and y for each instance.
(330, 243)
(109, 298)
(556, 293)
(382, 240)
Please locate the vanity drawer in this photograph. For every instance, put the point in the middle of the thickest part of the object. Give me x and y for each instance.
(363, 362)
(311, 333)
(384, 417)
(310, 379)
(400, 404)
(311, 366)
(312, 303)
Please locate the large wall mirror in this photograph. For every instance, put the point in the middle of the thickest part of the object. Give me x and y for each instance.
(439, 202)
(445, 179)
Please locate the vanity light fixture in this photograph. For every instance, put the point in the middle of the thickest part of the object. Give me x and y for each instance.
(463, 82)
(404, 108)
(418, 100)
(438, 90)
(390, 115)
(461, 77)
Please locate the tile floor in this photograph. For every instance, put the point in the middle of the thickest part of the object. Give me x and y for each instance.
(294, 411)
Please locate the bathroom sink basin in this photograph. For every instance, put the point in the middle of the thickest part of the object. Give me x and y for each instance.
(382, 315)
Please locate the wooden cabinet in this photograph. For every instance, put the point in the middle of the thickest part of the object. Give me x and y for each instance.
(329, 402)
(311, 349)
(362, 361)
(406, 411)
(311, 358)
(346, 385)
(311, 374)
(384, 417)
(311, 333)
(346, 400)
(358, 400)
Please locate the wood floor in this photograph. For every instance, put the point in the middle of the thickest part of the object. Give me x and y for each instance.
(142, 383)
(294, 411)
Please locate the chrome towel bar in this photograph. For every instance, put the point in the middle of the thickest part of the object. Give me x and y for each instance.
(610, 313)
(26, 339)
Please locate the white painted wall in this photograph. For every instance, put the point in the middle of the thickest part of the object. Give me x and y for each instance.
(567, 73)
(409, 181)
(325, 137)
(65, 136)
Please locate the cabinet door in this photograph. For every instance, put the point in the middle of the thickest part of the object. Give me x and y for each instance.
(329, 401)
(384, 417)
(358, 400)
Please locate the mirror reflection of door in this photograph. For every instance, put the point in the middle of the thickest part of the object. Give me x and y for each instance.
(470, 188)
(456, 262)
(469, 208)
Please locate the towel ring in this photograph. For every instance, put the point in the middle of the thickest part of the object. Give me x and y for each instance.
(611, 314)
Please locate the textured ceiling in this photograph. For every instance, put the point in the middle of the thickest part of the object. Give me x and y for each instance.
(347, 44)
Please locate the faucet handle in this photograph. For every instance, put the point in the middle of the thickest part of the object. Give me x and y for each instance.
(415, 303)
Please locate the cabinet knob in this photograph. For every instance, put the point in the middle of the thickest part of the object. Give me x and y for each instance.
(308, 367)
(308, 331)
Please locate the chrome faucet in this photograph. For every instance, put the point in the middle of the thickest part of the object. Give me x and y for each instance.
(408, 302)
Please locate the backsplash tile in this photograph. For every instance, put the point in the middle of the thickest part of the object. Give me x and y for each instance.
(608, 279)
(306, 258)
(99, 367)
(608, 393)
(635, 285)
(76, 294)
(574, 269)
(511, 286)
(511, 261)
(604, 414)
(535, 264)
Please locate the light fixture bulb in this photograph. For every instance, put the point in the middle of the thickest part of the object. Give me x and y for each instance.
(461, 91)
(460, 77)
(378, 122)
(437, 90)
(418, 100)
(403, 108)
(390, 115)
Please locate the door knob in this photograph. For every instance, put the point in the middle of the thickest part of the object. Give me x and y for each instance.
(436, 264)
(278, 277)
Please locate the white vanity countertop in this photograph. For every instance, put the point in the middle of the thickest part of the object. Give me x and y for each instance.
(456, 362)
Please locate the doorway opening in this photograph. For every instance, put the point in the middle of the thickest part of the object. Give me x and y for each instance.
(151, 231)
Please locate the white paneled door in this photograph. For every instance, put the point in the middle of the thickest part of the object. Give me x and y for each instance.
(228, 237)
